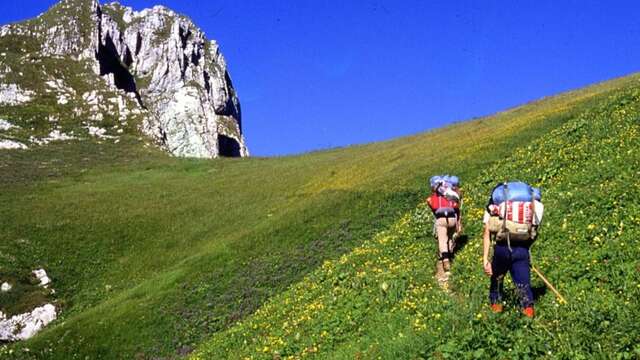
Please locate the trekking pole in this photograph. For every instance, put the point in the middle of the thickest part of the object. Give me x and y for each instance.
(546, 282)
(562, 299)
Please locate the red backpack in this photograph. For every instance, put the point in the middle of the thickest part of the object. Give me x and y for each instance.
(440, 205)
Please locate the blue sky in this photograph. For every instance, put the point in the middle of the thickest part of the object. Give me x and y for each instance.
(315, 74)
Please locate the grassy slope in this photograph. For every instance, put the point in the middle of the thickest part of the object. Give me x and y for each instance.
(150, 254)
(381, 301)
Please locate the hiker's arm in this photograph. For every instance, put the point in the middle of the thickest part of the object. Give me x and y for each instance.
(486, 245)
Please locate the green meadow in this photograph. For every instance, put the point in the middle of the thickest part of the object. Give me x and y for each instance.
(329, 254)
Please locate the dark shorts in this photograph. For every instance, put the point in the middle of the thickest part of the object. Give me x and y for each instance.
(517, 262)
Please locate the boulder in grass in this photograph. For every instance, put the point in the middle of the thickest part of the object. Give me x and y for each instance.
(42, 277)
(27, 325)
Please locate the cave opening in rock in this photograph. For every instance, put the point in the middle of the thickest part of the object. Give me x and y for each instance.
(228, 147)
(110, 63)
(138, 43)
(207, 82)
(184, 34)
(128, 58)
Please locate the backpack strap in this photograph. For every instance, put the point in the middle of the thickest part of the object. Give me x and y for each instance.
(533, 212)
(505, 191)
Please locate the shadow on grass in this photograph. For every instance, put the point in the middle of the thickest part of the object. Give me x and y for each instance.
(538, 292)
(461, 242)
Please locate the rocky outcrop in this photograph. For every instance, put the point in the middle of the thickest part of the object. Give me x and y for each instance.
(26, 325)
(42, 277)
(12, 94)
(6, 144)
(155, 59)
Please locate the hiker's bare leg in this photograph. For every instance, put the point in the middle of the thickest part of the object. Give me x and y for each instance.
(452, 229)
(444, 229)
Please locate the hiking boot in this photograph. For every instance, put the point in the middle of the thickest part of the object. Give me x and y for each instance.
(496, 308)
(528, 312)
(446, 265)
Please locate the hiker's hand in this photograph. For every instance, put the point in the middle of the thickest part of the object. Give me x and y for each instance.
(487, 268)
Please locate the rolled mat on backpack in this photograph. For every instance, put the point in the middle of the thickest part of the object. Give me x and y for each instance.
(515, 191)
(454, 181)
(446, 185)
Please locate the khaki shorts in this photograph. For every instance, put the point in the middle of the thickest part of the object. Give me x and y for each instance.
(444, 230)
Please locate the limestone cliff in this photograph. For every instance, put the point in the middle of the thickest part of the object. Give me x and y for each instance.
(158, 75)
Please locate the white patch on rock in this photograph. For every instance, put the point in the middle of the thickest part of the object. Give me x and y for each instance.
(127, 17)
(6, 125)
(12, 94)
(55, 84)
(62, 99)
(64, 93)
(41, 275)
(99, 132)
(5, 30)
(96, 116)
(27, 325)
(54, 135)
(5, 287)
(96, 131)
(184, 122)
(6, 144)
(92, 98)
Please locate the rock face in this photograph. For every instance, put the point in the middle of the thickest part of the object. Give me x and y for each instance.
(163, 70)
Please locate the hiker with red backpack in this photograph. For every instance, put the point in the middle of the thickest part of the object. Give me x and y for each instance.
(445, 202)
(511, 218)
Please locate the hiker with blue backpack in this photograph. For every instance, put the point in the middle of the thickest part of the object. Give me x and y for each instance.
(511, 218)
(445, 202)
